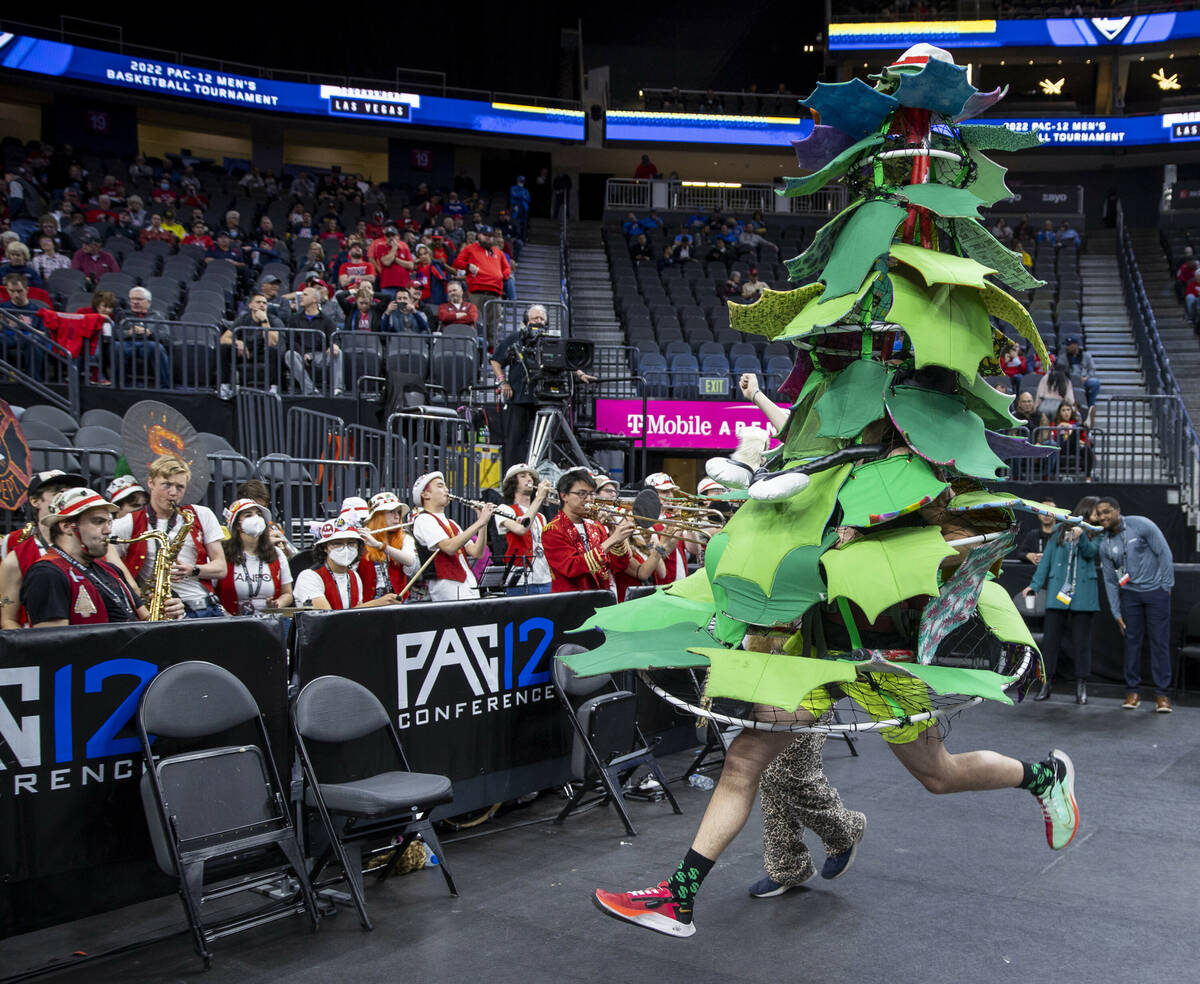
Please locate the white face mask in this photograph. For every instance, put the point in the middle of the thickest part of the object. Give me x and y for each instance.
(344, 555)
(254, 525)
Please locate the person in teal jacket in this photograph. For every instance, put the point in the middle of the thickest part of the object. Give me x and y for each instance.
(1067, 572)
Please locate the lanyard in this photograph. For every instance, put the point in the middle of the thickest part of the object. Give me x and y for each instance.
(118, 598)
(255, 586)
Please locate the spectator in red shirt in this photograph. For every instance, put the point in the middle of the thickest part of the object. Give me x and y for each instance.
(155, 232)
(487, 268)
(102, 212)
(199, 236)
(456, 311)
(646, 169)
(374, 229)
(1012, 361)
(356, 269)
(393, 259)
(329, 230)
(164, 193)
(92, 261)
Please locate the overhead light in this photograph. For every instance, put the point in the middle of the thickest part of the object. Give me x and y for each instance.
(1001, 61)
(1171, 56)
(1030, 61)
(1052, 88)
(640, 93)
(1060, 61)
(1089, 61)
(1141, 58)
(711, 184)
(1168, 83)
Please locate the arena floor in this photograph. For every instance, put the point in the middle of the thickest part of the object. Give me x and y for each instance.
(961, 888)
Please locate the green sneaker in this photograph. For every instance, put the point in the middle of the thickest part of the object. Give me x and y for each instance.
(1058, 805)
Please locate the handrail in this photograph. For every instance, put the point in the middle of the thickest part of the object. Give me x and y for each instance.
(14, 333)
(683, 195)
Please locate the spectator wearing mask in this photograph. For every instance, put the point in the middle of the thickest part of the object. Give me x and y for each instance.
(1074, 358)
(487, 268)
(391, 554)
(257, 577)
(1139, 573)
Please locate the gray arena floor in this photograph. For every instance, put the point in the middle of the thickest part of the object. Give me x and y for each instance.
(956, 889)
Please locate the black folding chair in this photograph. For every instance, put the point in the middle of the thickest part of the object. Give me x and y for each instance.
(332, 717)
(609, 746)
(216, 802)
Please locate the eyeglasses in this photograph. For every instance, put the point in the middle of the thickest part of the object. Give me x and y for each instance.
(583, 493)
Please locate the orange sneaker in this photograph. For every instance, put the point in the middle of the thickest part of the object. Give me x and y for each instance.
(1131, 700)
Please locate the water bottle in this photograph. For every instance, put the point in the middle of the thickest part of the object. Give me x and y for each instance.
(701, 781)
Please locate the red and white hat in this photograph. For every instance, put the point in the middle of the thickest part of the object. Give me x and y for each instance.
(707, 486)
(603, 480)
(240, 506)
(338, 528)
(420, 483)
(661, 482)
(919, 55)
(73, 503)
(385, 502)
(122, 488)
(354, 510)
(518, 468)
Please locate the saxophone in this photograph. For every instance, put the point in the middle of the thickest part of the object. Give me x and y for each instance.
(168, 549)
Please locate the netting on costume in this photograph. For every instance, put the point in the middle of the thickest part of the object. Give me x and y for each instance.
(907, 699)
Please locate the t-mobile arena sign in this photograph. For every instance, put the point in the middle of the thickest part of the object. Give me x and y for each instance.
(705, 425)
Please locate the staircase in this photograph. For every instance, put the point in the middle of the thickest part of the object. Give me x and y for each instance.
(537, 275)
(592, 314)
(1176, 333)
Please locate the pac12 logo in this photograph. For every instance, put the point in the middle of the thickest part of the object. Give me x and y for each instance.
(470, 670)
(69, 733)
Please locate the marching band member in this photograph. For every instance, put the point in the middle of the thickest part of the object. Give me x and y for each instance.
(71, 584)
(201, 560)
(126, 495)
(24, 547)
(452, 579)
(391, 557)
(258, 578)
(671, 546)
(649, 563)
(256, 489)
(582, 554)
(331, 583)
(523, 490)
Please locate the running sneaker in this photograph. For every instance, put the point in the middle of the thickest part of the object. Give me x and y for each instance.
(1058, 805)
(652, 908)
(767, 887)
(837, 865)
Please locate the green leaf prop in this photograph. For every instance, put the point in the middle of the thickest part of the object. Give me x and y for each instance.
(948, 325)
(727, 630)
(853, 107)
(825, 311)
(942, 430)
(808, 263)
(853, 400)
(797, 587)
(655, 611)
(989, 184)
(761, 535)
(664, 648)
(865, 238)
(985, 136)
(949, 203)
(776, 679)
(941, 268)
(1004, 306)
(979, 244)
(957, 680)
(938, 86)
(879, 491)
(1001, 616)
(772, 311)
(695, 587)
(991, 404)
(881, 570)
(794, 187)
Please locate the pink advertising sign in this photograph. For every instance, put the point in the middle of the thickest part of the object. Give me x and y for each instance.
(705, 425)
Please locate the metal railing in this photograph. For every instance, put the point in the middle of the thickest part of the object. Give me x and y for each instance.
(312, 434)
(33, 359)
(304, 491)
(260, 428)
(1173, 424)
(636, 194)
(434, 439)
(510, 316)
(729, 103)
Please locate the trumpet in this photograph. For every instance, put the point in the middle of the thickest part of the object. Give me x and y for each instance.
(501, 510)
(618, 511)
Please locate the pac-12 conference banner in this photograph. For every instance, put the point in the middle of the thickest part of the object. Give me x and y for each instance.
(184, 82)
(703, 425)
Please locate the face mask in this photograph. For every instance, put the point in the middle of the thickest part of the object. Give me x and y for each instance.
(344, 555)
(253, 525)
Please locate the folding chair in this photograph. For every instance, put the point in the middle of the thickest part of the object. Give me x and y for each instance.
(216, 802)
(609, 746)
(332, 714)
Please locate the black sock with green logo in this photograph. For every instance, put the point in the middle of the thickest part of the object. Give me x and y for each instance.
(685, 883)
(1040, 776)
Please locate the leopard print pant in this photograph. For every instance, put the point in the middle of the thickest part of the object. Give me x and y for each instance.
(795, 795)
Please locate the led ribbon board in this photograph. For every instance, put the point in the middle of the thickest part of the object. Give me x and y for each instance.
(705, 128)
(52, 59)
(1053, 32)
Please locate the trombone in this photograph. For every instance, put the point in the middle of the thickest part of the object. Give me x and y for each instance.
(639, 509)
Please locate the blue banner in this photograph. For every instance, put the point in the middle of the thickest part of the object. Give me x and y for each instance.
(704, 128)
(161, 78)
(1053, 32)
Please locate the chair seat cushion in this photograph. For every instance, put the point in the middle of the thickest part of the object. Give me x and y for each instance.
(385, 793)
